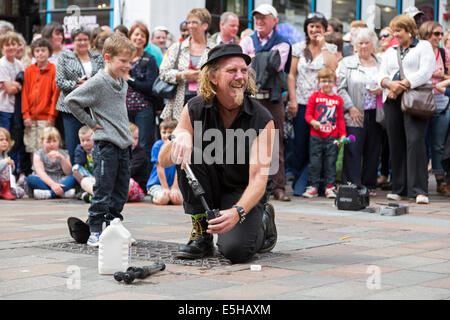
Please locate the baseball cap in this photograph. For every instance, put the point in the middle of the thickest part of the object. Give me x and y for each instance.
(265, 9)
(412, 12)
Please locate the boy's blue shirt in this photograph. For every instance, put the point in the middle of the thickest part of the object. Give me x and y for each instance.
(170, 171)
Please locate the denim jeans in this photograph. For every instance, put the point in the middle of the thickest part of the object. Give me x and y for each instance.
(144, 119)
(71, 127)
(34, 182)
(322, 158)
(112, 177)
(436, 132)
(6, 119)
(299, 159)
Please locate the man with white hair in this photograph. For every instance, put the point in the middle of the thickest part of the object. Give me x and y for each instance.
(271, 57)
(229, 27)
(159, 38)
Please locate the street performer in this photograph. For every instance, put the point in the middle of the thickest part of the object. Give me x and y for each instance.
(233, 175)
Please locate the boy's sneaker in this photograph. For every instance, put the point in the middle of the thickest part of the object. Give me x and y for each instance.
(39, 194)
(330, 191)
(94, 239)
(311, 192)
(69, 194)
(22, 179)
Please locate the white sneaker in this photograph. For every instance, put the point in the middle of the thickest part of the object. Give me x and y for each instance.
(421, 199)
(94, 239)
(39, 194)
(311, 192)
(393, 196)
(330, 192)
(69, 194)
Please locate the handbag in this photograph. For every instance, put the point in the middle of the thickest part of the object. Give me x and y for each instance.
(164, 89)
(417, 102)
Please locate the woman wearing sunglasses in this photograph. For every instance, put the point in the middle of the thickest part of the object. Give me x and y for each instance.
(438, 124)
(308, 58)
(386, 39)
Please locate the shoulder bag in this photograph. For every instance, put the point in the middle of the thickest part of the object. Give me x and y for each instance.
(163, 89)
(417, 102)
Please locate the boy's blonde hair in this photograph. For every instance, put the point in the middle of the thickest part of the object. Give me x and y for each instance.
(8, 37)
(8, 138)
(133, 127)
(85, 130)
(326, 73)
(117, 44)
(50, 133)
(168, 123)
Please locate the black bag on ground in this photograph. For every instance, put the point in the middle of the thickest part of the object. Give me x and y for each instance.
(78, 229)
(352, 197)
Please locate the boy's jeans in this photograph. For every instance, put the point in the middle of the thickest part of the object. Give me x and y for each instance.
(112, 175)
(322, 152)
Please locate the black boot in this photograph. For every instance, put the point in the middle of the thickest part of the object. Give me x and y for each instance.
(200, 244)
(270, 229)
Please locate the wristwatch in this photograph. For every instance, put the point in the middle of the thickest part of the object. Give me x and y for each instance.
(171, 137)
(241, 213)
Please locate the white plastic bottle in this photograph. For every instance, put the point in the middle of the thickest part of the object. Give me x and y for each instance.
(114, 251)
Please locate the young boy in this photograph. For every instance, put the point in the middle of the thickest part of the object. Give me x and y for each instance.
(83, 162)
(9, 68)
(325, 114)
(105, 95)
(162, 184)
(139, 168)
(39, 95)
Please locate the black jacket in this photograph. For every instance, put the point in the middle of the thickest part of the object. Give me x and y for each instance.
(268, 77)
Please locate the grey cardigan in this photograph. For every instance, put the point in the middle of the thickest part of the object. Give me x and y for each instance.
(350, 87)
(107, 100)
(68, 70)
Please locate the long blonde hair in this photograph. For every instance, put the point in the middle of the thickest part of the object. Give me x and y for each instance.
(208, 90)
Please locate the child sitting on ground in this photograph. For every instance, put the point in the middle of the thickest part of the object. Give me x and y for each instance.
(52, 176)
(83, 167)
(138, 167)
(8, 188)
(163, 184)
(325, 114)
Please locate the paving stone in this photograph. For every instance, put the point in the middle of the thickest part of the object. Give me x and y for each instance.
(407, 262)
(403, 278)
(411, 293)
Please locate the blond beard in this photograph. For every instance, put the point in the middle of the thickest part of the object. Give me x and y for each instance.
(239, 98)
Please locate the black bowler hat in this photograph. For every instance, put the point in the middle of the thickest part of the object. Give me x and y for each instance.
(226, 50)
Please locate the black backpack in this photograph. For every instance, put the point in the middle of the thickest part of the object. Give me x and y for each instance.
(352, 197)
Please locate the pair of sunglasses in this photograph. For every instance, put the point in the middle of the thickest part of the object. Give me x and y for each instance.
(315, 15)
(437, 34)
(384, 35)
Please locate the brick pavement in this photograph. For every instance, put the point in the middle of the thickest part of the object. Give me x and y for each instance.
(322, 253)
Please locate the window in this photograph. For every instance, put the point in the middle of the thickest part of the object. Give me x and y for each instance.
(217, 7)
(344, 10)
(427, 7)
(293, 11)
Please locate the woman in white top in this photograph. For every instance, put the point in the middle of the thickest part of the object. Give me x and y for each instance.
(308, 58)
(406, 133)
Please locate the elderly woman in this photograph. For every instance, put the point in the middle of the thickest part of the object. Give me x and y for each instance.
(406, 133)
(438, 124)
(308, 58)
(182, 65)
(140, 102)
(358, 88)
(73, 69)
